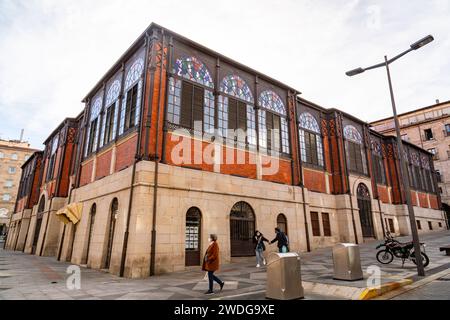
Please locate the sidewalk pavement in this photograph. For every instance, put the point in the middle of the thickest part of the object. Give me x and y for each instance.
(39, 278)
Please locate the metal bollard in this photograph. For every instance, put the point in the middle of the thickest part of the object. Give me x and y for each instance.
(284, 280)
(347, 262)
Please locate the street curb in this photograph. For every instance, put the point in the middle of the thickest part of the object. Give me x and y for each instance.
(370, 293)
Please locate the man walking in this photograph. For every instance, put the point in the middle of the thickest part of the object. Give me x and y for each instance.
(281, 238)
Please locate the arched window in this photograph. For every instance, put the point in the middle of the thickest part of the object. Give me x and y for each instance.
(191, 99)
(416, 171)
(363, 192)
(311, 146)
(131, 103)
(93, 128)
(356, 157)
(52, 157)
(237, 111)
(378, 162)
(111, 113)
(91, 230)
(113, 215)
(428, 176)
(193, 236)
(273, 128)
(282, 223)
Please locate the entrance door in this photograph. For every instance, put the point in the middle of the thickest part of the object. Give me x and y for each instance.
(365, 211)
(193, 237)
(242, 229)
(37, 228)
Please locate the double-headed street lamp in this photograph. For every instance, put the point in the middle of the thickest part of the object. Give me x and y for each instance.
(403, 169)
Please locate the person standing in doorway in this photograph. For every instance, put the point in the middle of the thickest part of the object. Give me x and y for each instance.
(258, 241)
(211, 264)
(282, 241)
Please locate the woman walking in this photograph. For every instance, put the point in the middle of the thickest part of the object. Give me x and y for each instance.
(258, 241)
(211, 264)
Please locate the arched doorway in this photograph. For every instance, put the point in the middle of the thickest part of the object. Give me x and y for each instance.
(112, 227)
(37, 228)
(282, 223)
(90, 230)
(193, 237)
(242, 228)
(365, 211)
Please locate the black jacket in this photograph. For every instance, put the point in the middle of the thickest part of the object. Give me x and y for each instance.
(262, 239)
(281, 238)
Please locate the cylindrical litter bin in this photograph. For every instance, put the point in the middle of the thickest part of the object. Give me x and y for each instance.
(284, 280)
(347, 262)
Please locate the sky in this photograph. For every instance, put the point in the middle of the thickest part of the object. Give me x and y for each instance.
(52, 52)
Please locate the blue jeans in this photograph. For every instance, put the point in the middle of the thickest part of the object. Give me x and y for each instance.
(259, 256)
(213, 278)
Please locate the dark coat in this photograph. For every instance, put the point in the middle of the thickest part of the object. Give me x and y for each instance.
(262, 239)
(211, 259)
(282, 240)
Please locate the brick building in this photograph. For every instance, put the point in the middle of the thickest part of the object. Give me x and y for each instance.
(177, 142)
(13, 154)
(429, 128)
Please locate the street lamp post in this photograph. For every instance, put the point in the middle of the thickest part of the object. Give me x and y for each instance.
(403, 169)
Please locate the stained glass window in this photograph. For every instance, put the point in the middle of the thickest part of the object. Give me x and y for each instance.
(356, 156)
(134, 73)
(223, 116)
(96, 109)
(352, 134)
(209, 113)
(251, 125)
(131, 103)
(192, 69)
(308, 122)
(311, 147)
(174, 101)
(262, 129)
(271, 101)
(235, 86)
(113, 93)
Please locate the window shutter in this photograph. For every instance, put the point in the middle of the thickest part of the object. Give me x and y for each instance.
(242, 116)
(314, 159)
(232, 114)
(186, 105)
(198, 106)
(315, 224)
(308, 147)
(269, 126)
(277, 133)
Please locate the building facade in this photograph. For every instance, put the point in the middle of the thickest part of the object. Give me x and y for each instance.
(428, 128)
(177, 142)
(12, 155)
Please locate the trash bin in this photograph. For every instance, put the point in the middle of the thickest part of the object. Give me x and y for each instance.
(347, 262)
(284, 280)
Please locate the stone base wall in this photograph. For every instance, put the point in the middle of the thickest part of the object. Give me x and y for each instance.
(214, 195)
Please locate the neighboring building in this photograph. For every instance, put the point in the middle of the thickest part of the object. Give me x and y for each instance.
(12, 155)
(153, 166)
(428, 128)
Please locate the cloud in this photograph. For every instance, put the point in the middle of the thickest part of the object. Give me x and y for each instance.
(52, 52)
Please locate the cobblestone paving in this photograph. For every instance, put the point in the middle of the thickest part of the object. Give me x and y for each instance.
(436, 290)
(24, 276)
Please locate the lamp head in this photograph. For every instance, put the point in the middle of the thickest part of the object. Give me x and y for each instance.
(354, 72)
(422, 42)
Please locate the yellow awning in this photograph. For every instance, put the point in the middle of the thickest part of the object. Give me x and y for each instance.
(70, 213)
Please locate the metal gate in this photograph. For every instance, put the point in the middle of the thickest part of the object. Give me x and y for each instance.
(242, 229)
(193, 237)
(365, 211)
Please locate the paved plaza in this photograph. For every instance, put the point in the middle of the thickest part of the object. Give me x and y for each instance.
(40, 278)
